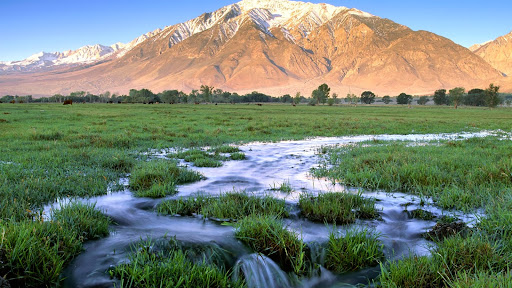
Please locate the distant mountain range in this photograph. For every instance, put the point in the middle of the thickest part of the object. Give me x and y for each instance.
(273, 46)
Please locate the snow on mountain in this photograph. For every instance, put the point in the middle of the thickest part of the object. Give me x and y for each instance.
(267, 14)
(122, 49)
(295, 19)
(475, 47)
(83, 55)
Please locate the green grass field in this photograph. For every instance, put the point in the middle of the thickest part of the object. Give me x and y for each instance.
(50, 151)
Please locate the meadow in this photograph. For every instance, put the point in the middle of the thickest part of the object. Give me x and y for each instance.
(51, 151)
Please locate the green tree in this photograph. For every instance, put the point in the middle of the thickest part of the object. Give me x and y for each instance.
(386, 99)
(440, 97)
(192, 97)
(492, 96)
(456, 95)
(423, 100)
(475, 97)
(297, 98)
(335, 97)
(352, 98)
(403, 99)
(170, 96)
(286, 98)
(207, 92)
(321, 94)
(330, 101)
(367, 97)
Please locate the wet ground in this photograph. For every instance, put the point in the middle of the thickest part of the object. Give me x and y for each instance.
(268, 165)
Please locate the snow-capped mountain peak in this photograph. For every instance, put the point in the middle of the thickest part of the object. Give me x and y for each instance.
(267, 14)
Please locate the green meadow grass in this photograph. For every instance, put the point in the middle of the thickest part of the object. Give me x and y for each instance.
(457, 174)
(51, 151)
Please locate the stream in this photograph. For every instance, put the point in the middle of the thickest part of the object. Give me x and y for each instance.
(267, 166)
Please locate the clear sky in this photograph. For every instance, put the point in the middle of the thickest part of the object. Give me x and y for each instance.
(30, 26)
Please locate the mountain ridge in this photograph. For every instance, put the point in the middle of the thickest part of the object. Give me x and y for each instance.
(279, 47)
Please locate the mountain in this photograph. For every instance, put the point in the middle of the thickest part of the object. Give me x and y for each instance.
(273, 46)
(46, 61)
(498, 53)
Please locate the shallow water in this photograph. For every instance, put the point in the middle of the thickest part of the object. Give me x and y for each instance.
(268, 165)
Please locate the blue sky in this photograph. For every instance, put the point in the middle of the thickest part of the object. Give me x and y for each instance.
(31, 26)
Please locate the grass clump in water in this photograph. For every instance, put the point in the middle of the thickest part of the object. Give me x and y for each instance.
(340, 208)
(237, 156)
(266, 235)
(34, 253)
(453, 257)
(207, 162)
(83, 219)
(157, 178)
(284, 187)
(353, 251)
(230, 206)
(226, 149)
(199, 158)
(170, 267)
(421, 214)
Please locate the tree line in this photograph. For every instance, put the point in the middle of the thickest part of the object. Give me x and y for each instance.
(489, 97)
(206, 94)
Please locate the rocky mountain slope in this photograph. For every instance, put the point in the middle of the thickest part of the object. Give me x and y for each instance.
(273, 46)
(498, 53)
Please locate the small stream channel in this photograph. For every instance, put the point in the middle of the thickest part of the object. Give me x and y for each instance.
(267, 166)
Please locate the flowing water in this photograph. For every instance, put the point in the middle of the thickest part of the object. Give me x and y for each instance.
(268, 165)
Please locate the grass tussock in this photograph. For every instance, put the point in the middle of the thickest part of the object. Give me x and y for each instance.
(482, 280)
(339, 208)
(355, 250)
(83, 219)
(421, 214)
(266, 235)
(229, 206)
(170, 267)
(34, 253)
(226, 149)
(237, 156)
(157, 178)
(455, 255)
(211, 158)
